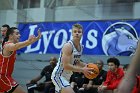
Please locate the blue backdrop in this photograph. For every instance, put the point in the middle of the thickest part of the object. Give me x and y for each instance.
(110, 37)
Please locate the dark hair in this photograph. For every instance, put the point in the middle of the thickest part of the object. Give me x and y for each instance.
(9, 32)
(101, 61)
(126, 66)
(5, 25)
(114, 60)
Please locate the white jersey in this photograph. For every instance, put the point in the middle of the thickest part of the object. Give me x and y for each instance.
(59, 74)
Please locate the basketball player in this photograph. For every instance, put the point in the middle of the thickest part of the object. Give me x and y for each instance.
(7, 59)
(129, 80)
(69, 61)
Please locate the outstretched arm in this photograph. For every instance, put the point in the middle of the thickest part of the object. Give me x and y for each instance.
(16, 46)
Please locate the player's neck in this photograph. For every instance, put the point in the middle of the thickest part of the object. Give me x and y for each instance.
(10, 41)
(77, 45)
(76, 42)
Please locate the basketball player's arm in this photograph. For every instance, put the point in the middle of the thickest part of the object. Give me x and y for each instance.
(16, 46)
(67, 57)
(129, 80)
(81, 64)
(66, 60)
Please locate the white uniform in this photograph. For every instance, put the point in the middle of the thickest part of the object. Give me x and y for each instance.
(61, 77)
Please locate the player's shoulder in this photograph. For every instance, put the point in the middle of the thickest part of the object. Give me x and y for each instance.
(67, 48)
(67, 45)
(7, 44)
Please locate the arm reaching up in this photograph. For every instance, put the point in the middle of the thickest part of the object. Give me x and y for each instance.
(18, 45)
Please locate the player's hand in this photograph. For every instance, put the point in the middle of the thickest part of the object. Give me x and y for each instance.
(39, 34)
(87, 71)
(34, 38)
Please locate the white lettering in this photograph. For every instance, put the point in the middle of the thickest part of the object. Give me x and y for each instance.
(29, 49)
(46, 39)
(70, 30)
(60, 37)
(92, 43)
(57, 37)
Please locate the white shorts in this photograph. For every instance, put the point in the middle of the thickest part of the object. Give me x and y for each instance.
(59, 82)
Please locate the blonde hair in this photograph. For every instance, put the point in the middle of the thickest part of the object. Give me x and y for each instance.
(79, 26)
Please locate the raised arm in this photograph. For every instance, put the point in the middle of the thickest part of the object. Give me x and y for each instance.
(16, 46)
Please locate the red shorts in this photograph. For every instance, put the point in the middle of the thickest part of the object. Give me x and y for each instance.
(7, 83)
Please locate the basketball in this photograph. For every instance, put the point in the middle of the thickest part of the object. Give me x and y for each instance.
(95, 71)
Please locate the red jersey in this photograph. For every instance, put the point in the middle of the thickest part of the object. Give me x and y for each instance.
(113, 79)
(136, 89)
(6, 70)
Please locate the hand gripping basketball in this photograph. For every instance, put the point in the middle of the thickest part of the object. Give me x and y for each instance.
(94, 73)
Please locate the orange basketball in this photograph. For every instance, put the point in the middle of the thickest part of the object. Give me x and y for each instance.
(95, 71)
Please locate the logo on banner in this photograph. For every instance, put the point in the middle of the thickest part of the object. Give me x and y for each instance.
(120, 39)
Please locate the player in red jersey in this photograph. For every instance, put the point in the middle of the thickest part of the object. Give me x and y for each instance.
(7, 59)
(129, 80)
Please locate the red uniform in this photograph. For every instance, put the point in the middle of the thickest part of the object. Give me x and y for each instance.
(113, 79)
(136, 89)
(6, 70)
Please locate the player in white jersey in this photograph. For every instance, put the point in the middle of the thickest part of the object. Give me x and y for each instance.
(69, 61)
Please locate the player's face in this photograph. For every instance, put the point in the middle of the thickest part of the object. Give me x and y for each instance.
(112, 67)
(77, 33)
(3, 31)
(16, 36)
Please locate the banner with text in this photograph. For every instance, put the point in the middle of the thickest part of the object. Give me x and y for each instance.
(108, 37)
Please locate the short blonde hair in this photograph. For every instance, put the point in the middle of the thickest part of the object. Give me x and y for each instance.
(79, 26)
